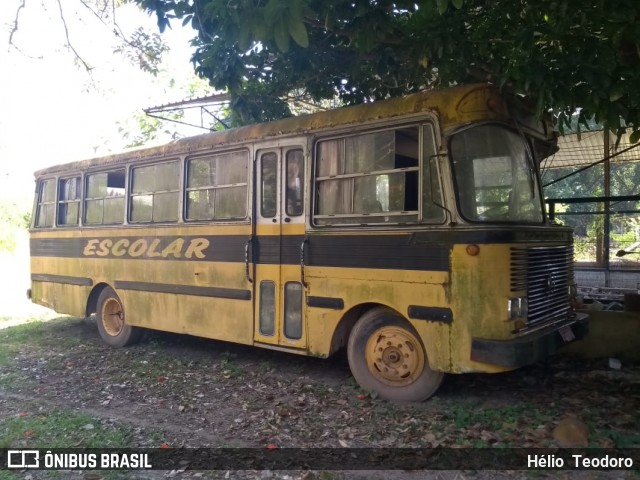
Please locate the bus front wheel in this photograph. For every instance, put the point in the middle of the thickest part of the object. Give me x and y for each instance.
(111, 321)
(386, 356)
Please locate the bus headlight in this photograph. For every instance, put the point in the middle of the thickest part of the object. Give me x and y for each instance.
(518, 308)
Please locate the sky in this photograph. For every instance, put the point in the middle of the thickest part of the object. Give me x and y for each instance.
(51, 110)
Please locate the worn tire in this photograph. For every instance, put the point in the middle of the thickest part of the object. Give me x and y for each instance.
(386, 356)
(111, 321)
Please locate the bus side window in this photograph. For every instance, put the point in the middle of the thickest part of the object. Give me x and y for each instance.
(217, 186)
(46, 204)
(155, 192)
(269, 185)
(68, 201)
(104, 198)
(295, 183)
(369, 178)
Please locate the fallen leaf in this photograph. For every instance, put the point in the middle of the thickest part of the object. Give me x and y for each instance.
(571, 432)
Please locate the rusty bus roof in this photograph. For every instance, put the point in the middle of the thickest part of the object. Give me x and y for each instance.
(454, 106)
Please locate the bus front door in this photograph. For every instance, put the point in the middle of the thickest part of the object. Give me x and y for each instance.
(280, 225)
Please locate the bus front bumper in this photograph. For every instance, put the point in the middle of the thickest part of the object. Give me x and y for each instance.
(531, 348)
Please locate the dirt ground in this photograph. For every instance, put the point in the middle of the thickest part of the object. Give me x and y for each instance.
(181, 391)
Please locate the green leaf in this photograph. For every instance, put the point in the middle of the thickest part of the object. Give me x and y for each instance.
(457, 3)
(442, 6)
(281, 35)
(298, 32)
(615, 95)
(634, 137)
(243, 37)
(273, 12)
(328, 21)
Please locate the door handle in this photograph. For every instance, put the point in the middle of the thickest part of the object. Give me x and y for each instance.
(246, 260)
(302, 280)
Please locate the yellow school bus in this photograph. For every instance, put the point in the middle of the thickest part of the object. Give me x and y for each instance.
(410, 231)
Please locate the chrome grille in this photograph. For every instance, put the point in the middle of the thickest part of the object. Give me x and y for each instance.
(545, 273)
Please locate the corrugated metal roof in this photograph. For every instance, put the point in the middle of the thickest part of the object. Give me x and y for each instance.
(587, 148)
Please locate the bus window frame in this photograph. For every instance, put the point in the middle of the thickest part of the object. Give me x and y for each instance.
(420, 122)
(185, 189)
(38, 203)
(80, 199)
(86, 174)
(180, 159)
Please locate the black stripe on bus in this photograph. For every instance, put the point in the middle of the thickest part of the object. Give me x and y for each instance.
(81, 281)
(231, 293)
(432, 314)
(396, 252)
(349, 251)
(325, 302)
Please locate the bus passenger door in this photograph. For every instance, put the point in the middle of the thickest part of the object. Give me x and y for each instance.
(280, 225)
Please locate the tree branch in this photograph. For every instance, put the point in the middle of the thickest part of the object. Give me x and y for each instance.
(14, 28)
(69, 45)
(116, 28)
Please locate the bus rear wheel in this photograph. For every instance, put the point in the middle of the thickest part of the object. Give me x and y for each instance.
(111, 321)
(386, 356)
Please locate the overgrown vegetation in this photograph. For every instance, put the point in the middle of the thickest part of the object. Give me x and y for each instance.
(13, 222)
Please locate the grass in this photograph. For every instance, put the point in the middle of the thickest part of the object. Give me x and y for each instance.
(265, 366)
(60, 429)
(12, 380)
(231, 370)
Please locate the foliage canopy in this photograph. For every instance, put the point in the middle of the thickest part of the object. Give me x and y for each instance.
(568, 54)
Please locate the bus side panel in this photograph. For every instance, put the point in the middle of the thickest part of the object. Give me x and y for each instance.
(396, 289)
(195, 295)
(215, 318)
(63, 298)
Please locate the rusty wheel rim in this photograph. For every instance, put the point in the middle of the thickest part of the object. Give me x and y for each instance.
(394, 356)
(112, 317)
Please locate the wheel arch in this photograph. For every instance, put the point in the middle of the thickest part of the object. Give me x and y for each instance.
(342, 332)
(92, 300)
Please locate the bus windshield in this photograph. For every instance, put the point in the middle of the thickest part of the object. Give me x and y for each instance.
(494, 176)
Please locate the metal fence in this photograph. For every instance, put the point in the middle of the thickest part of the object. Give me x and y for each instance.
(606, 241)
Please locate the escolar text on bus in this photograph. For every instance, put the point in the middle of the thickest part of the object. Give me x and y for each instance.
(147, 248)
